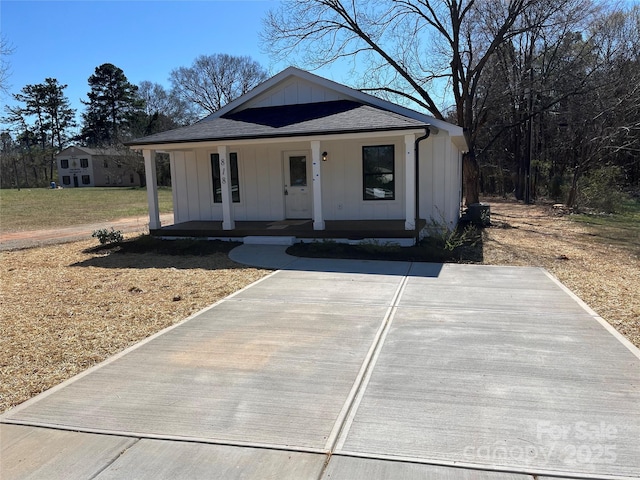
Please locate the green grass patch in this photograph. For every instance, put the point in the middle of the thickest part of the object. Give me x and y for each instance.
(619, 229)
(45, 208)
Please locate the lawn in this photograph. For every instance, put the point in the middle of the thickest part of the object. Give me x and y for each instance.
(622, 229)
(42, 208)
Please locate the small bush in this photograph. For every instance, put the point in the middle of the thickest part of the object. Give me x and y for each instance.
(452, 238)
(105, 236)
(600, 191)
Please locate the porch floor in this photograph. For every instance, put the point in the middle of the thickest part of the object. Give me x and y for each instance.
(303, 229)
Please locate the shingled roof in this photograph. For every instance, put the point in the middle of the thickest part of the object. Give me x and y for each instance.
(323, 118)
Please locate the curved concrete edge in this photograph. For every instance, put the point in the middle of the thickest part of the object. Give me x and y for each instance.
(263, 256)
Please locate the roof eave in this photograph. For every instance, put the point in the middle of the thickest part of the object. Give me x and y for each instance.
(280, 137)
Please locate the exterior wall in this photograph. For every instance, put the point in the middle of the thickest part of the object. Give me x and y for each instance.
(342, 195)
(98, 174)
(440, 180)
(74, 158)
(261, 181)
(113, 175)
(260, 171)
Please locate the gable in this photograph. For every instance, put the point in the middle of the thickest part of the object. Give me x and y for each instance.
(295, 87)
(293, 91)
(74, 151)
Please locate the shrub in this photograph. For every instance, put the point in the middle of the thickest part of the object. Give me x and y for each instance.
(105, 236)
(600, 190)
(454, 237)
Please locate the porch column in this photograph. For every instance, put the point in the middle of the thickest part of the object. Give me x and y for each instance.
(225, 186)
(410, 182)
(318, 219)
(152, 188)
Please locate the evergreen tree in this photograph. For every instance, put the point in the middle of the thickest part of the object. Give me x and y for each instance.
(44, 118)
(113, 107)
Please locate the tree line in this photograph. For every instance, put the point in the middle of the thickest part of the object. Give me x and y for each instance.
(43, 122)
(547, 91)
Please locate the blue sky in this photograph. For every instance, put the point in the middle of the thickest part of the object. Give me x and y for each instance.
(67, 40)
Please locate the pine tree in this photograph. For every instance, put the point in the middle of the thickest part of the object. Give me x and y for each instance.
(112, 108)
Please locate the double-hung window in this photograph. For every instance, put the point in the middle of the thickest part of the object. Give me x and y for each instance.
(233, 173)
(378, 172)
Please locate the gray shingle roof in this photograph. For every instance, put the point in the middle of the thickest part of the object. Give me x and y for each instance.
(323, 118)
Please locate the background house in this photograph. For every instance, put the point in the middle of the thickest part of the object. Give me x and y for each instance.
(89, 167)
(309, 158)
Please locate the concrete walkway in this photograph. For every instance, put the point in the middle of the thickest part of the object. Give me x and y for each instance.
(347, 369)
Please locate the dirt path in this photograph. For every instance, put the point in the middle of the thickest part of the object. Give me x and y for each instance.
(38, 238)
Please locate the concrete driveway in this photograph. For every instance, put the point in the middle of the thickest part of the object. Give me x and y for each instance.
(334, 369)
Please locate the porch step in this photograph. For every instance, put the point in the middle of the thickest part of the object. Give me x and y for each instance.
(268, 240)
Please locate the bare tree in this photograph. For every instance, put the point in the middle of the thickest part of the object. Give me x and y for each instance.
(159, 101)
(413, 44)
(6, 49)
(212, 81)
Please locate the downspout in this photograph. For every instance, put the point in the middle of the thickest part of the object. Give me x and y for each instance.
(416, 151)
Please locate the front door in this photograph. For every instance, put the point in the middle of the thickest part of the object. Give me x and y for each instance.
(297, 191)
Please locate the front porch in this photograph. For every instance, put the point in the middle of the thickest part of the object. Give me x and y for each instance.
(301, 230)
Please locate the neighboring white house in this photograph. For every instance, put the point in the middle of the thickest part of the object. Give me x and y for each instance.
(301, 147)
(89, 167)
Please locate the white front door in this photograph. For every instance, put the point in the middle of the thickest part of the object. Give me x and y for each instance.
(297, 188)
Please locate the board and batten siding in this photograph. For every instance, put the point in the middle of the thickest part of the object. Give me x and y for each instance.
(260, 178)
(342, 190)
(294, 91)
(260, 169)
(440, 180)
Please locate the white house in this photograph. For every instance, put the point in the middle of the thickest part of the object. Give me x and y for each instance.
(303, 157)
(89, 167)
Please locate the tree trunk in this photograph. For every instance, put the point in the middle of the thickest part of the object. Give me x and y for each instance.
(573, 192)
(15, 169)
(470, 172)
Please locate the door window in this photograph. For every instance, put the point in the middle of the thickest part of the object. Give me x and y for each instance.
(298, 171)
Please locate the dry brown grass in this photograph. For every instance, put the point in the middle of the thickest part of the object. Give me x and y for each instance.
(605, 276)
(63, 310)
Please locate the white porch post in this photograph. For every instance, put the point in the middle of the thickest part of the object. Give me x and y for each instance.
(225, 186)
(318, 219)
(410, 182)
(152, 188)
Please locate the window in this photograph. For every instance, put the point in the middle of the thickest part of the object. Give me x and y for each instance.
(105, 163)
(378, 173)
(119, 164)
(131, 178)
(64, 163)
(84, 162)
(66, 180)
(86, 179)
(235, 184)
(107, 180)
